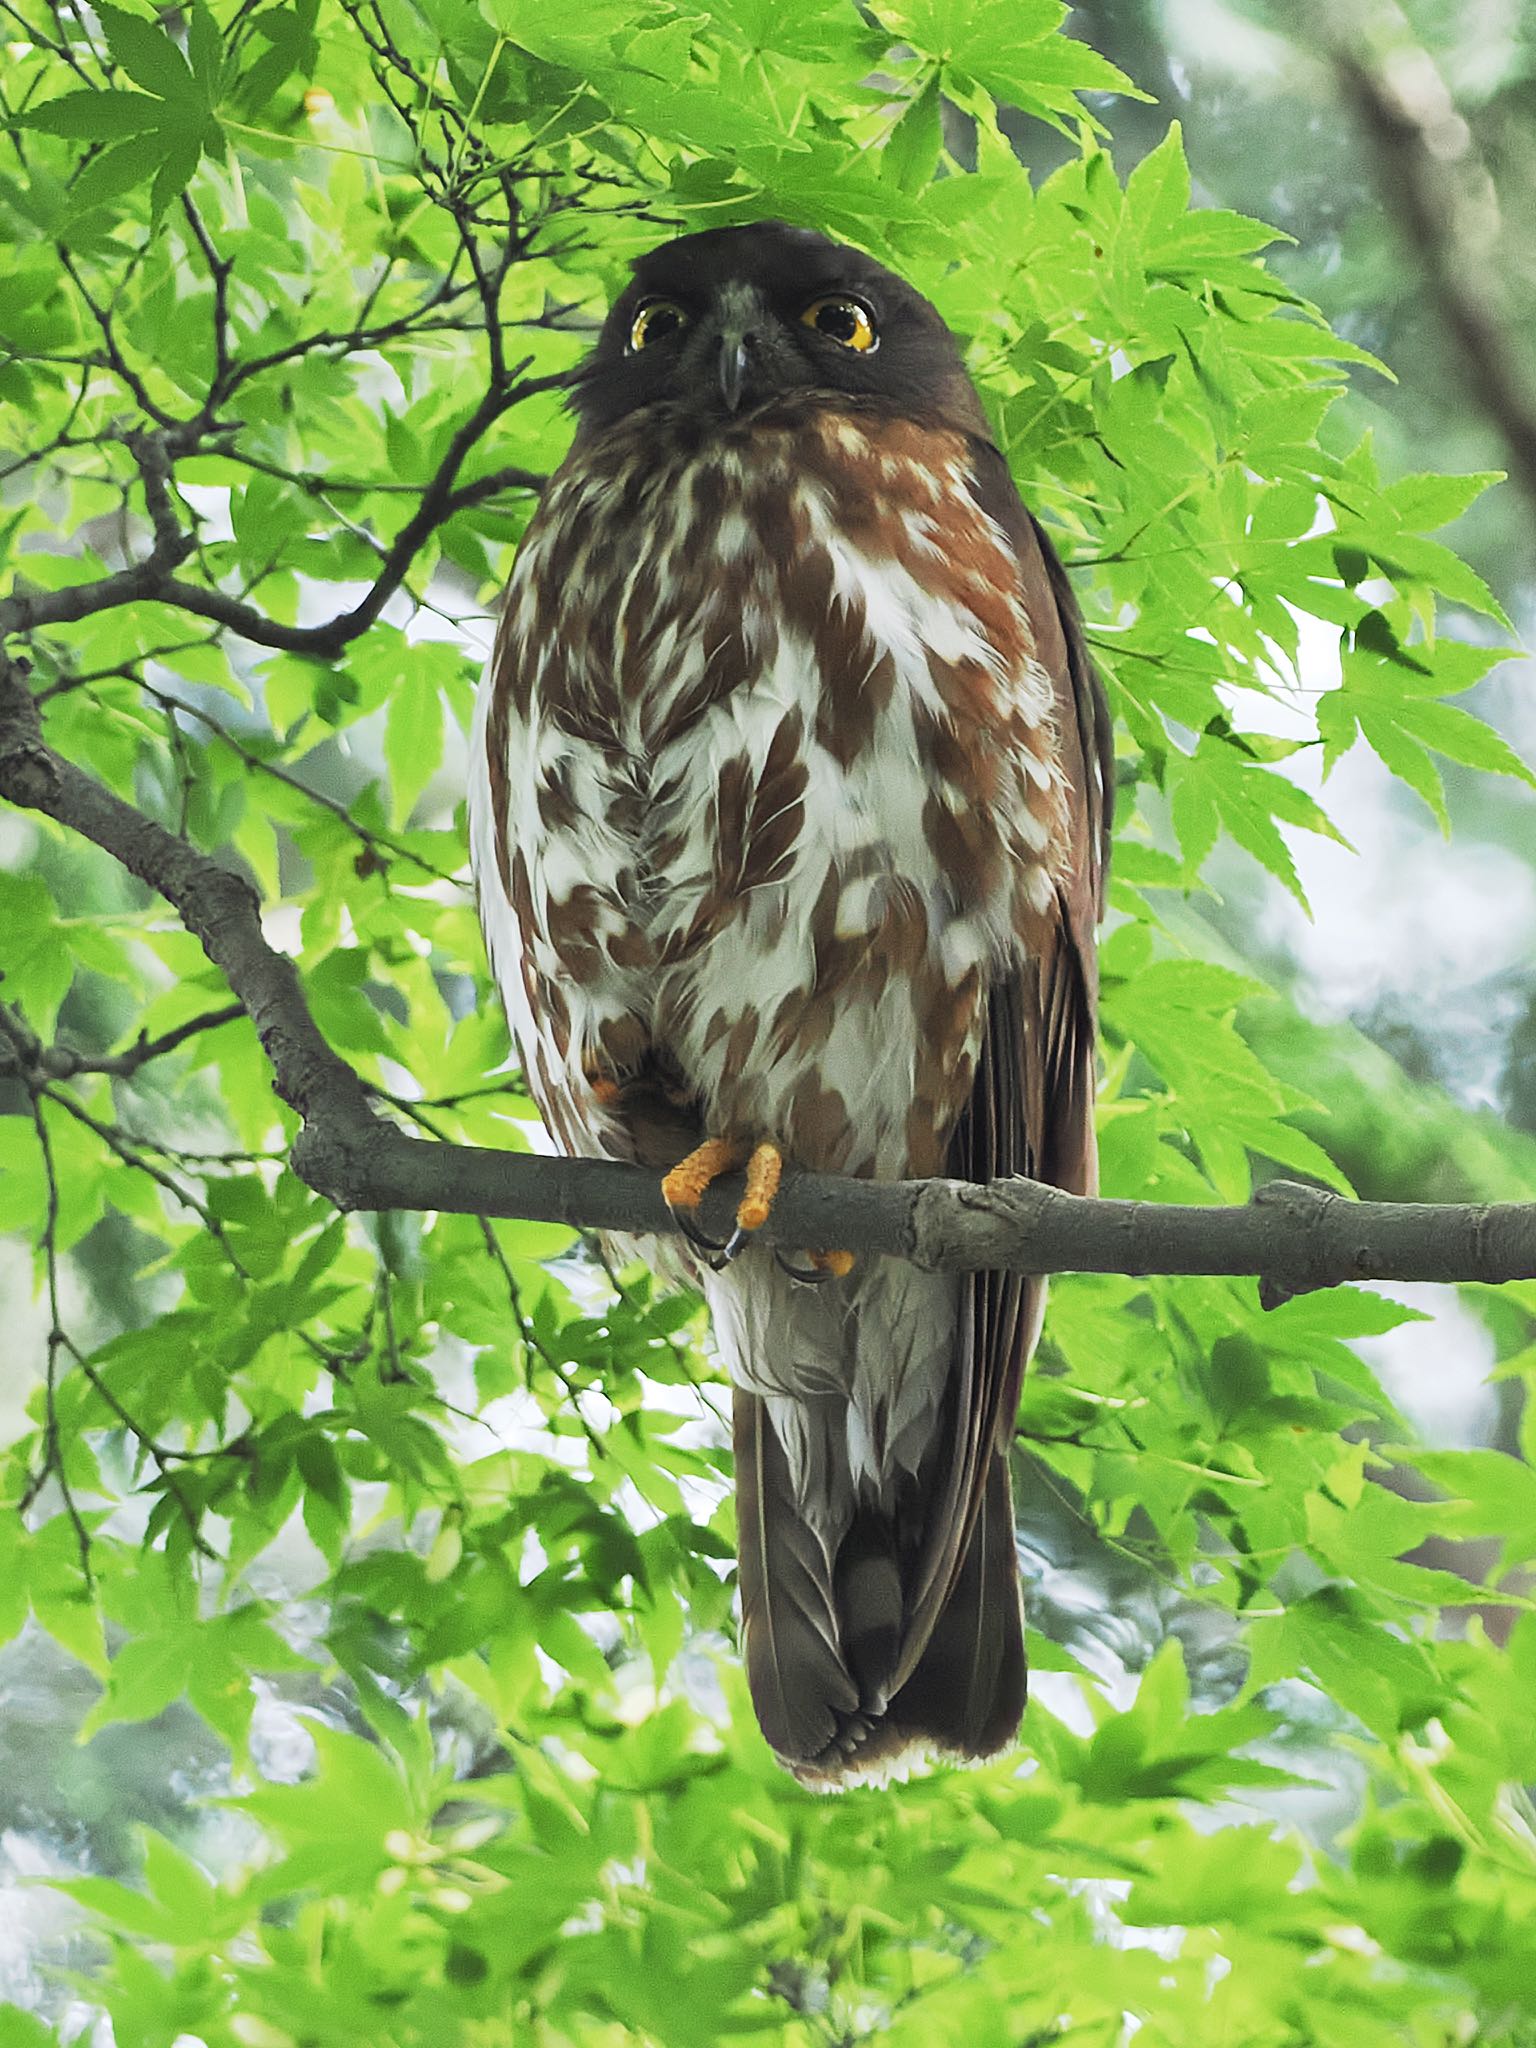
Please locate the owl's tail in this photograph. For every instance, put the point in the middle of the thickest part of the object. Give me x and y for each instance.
(903, 1637)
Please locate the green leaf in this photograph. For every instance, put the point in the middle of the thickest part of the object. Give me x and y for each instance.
(97, 116)
(1443, 571)
(413, 738)
(1388, 1683)
(1492, 1494)
(147, 1674)
(116, 173)
(38, 966)
(146, 53)
(183, 1889)
(911, 152)
(177, 166)
(1056, 62)
(205, 49)
(335, 1825)
(1461, 737)
(665, 51)
(19, 2029)
(1424, 502)
(1157, 191)
(1407, 760)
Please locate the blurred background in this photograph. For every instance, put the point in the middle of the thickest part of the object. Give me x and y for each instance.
(1397, 147)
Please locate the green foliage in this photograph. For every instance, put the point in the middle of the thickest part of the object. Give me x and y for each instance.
(290, 277)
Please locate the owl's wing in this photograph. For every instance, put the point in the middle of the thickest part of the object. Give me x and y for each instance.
(1055, 995)
(1030, 1112)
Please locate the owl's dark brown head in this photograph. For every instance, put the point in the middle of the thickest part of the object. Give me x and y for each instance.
(727, 320)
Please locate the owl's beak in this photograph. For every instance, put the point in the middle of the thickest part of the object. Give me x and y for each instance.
(733, 368)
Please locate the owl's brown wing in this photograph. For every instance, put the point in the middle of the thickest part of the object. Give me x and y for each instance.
(1030, 1112)
(1055, 995)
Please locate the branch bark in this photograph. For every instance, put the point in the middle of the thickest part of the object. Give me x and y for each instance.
(1293, 1238)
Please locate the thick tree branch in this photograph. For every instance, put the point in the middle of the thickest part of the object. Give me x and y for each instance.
(1293, 1238)
(216, 906)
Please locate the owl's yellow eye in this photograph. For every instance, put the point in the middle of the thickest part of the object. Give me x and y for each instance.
(846, 321)
(654, 320)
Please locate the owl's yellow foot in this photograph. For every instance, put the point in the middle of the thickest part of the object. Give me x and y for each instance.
(765, 1169)
(683, 1189)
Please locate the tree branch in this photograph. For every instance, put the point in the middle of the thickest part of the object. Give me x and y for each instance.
(216, 906)
(152, 579)
(26, 1054)
(1293, 1238)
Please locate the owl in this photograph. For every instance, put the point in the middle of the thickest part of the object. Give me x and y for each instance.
(789, 796)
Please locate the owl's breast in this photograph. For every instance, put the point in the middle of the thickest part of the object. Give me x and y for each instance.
(781, 788)
(647, 587)
(668, 569)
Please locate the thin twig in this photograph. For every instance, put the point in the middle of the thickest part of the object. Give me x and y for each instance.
(152, 578)
(62, 1062)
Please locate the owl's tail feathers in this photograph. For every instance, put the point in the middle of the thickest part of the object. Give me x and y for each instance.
(826, 1636)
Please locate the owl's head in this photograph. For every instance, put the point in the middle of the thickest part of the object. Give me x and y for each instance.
(724, 321)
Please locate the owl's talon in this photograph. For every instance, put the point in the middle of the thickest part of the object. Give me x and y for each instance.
(824, 1266)
(711, 1248)
(765, 1169)
(684, 1188)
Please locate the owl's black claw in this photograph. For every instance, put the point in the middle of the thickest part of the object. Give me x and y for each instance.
(715, 1254)
(723, 1249)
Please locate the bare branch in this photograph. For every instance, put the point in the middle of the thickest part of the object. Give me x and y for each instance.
(220, 270)
(510, 478)
(54, 1457)
(116, 361)
(216, 906)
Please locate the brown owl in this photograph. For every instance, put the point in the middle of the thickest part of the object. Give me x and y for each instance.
(789, 802)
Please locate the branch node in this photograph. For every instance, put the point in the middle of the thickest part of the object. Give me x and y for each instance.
(338, 1158)
(28, 771)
